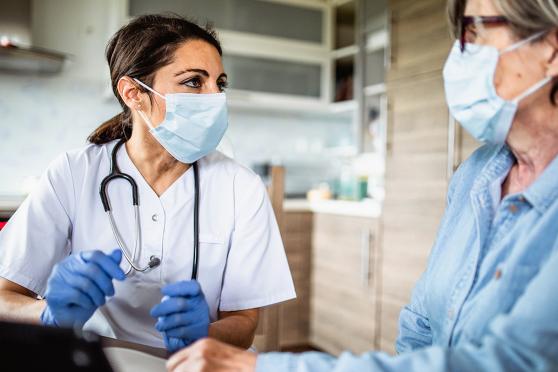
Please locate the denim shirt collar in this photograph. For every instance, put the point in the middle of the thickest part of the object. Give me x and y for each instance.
(540, 194)
(543, 192)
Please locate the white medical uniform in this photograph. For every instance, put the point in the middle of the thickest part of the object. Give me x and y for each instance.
(242, 262)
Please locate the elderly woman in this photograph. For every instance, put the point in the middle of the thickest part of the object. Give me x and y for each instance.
(487, 299)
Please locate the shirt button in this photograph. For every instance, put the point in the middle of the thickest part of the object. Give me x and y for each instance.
(522, 199)
(155, 217)
(450, 314)
(498, 274)
(513, 208)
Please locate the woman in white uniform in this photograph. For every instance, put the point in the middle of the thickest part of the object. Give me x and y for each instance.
(61, 260)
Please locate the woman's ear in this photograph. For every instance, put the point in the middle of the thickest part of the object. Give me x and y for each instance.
(130, 93)
(552, 62)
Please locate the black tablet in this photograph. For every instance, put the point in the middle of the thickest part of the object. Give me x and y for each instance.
(26, 347)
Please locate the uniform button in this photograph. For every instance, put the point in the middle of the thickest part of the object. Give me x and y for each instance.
(498, 274)
(450, 314)
(513, 208)
(155, 217)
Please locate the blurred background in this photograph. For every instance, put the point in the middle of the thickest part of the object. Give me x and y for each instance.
(346, 95)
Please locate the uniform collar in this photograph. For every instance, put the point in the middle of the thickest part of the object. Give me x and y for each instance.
(181, 191)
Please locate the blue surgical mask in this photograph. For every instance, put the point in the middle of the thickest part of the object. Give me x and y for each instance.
(193, 126)
(471, 94)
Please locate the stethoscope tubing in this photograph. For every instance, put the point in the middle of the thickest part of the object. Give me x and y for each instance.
(154, 261)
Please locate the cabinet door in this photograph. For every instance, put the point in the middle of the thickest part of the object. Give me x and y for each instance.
(343, 303)
(267, 18)
(294, 320)
(267, 75)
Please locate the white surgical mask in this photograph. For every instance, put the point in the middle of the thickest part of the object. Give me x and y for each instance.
(471, 94)
(193, 126)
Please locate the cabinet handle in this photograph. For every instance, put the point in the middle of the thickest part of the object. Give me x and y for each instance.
(365, 258)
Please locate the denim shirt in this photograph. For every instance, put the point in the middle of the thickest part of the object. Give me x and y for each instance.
(488, 300)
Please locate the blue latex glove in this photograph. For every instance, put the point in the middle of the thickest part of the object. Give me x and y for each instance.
(78, 285)
(183, 314)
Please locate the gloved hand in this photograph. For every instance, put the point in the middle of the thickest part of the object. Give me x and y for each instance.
(183, 314)
(78, 285)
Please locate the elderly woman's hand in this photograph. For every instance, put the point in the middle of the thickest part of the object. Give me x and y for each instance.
(212, 355)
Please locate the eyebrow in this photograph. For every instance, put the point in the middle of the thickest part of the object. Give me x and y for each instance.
(199, 71)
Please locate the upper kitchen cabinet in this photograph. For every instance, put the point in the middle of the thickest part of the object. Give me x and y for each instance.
(83, 36)
(300, 21)
(277, 49)
(360, 58)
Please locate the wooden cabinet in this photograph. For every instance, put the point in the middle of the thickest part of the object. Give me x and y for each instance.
(343, 285)
(417, 155)
(294, 320)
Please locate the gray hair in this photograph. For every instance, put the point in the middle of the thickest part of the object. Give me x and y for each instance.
(526, 18)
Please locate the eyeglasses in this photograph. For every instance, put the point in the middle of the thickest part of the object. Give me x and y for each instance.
(470, 27)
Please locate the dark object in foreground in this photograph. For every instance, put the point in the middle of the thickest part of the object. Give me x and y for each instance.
(27, 347)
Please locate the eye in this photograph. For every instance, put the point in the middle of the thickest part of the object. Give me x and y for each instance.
(222, 85)
(194, 82)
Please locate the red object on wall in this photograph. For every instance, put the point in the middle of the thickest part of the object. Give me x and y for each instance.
(2, 224)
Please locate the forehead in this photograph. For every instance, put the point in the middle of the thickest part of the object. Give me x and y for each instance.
(196, 52)
(481, 8)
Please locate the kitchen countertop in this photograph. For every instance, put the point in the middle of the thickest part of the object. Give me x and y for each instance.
(367, 208)
(9, 203)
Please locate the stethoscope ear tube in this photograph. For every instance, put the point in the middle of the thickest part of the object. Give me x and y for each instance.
(115, 174)
(196, 222)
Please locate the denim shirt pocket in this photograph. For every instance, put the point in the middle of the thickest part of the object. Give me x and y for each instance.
(504, 291)
(518, 278)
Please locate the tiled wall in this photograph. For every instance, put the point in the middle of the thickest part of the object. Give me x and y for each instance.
(41, 117)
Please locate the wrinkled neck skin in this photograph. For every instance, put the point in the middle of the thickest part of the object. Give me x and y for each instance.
(155, 164)
(533, 139)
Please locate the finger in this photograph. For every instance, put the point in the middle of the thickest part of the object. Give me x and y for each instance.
(86, 286)
(174, 305)
(74, 296)
(173, 321)
(178, 358)
(182, 332)
(116, 255)
(105, 262)
(98, 276)
(187, 288)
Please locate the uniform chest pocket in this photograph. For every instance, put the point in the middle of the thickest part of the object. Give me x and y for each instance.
(213, 253)
(211, 239)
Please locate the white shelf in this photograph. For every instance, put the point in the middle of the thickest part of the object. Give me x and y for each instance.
(256, 101)
(347, 51)
(373, 90)
(376, 41)
(343, 106)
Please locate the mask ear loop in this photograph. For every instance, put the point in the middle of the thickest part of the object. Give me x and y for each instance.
(149, 89)
(140, 112)
(521, 43)
(539, 84)
(532, 90)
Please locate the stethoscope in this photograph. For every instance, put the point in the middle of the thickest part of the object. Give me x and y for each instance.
(154, 261)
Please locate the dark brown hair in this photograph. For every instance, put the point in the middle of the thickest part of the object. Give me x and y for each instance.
(138, 50)
(526, 18)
